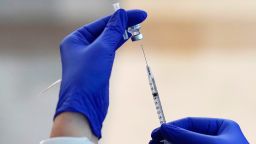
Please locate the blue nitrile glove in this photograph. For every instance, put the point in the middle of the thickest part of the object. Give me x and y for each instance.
(199, 131)
(87, 56)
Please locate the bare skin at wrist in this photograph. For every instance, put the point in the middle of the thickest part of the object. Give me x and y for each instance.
(69, 124)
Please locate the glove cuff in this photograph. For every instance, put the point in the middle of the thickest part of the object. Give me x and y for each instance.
(77, 101)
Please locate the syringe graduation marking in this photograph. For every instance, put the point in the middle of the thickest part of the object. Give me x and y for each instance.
(154, 91)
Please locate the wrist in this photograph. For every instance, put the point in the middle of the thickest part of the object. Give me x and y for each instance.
(69, 124)
(93, 106)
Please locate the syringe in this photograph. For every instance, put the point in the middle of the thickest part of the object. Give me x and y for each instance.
(155, 94)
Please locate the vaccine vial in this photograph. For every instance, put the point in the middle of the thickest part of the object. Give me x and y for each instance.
(135, 32)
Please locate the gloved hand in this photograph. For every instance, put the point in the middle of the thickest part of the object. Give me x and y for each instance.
(199, 131)
(87, 56)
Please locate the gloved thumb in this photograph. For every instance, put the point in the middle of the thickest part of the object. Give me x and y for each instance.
(112, 36)
(177, 135)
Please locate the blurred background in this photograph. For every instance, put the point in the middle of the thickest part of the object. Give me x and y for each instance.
(203, 55)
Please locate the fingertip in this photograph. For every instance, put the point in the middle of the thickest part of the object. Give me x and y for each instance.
(155, 132)
(152, 142)
(136, 16)
(120, 11)
(156, 135)
(141, 14)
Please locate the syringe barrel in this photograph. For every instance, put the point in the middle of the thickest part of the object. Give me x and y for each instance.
(159, 109)
(156, 97)
(152, 82)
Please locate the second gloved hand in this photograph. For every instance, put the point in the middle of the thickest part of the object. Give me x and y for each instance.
(199, 131)
(87, 56)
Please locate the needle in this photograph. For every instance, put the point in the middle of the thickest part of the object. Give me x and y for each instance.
(142, 48)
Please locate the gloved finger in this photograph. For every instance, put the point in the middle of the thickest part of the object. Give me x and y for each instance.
(112, 35)
(153, 142)
(92, 30)
(208, 126)
(156, 135)
(177, 135)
